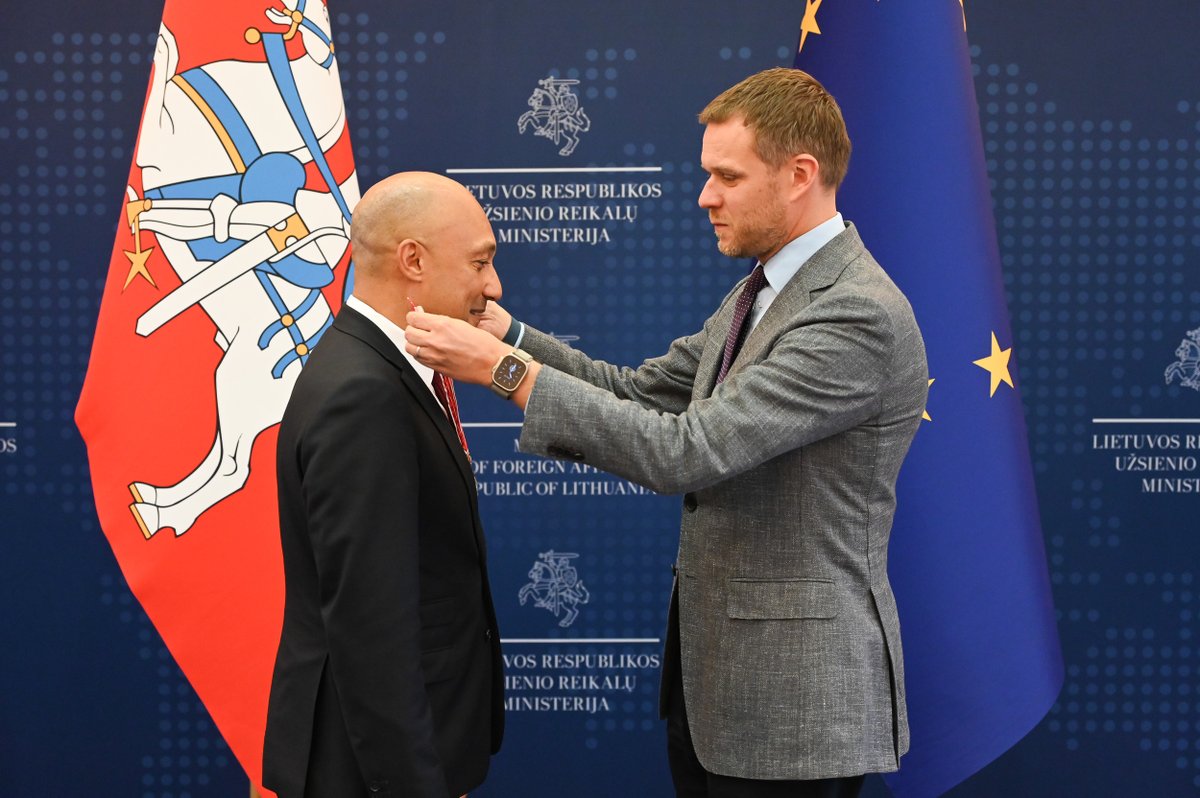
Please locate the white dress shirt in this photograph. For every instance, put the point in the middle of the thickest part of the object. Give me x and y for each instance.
(396, 335)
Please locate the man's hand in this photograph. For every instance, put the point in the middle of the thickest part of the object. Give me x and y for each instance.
(462, 352)
(495, 320)
(453, 347)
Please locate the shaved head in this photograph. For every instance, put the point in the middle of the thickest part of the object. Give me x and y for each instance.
(416, 205)
(422, 237)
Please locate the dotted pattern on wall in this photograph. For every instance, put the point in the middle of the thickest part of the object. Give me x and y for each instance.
(1095, 223)
(671, 253)
(48, 307)
(668, 269)
(190, 750)
(1098, 225)
(48, 303)
(375, 67)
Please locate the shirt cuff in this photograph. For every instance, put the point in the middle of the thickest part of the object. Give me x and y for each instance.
(515, 334)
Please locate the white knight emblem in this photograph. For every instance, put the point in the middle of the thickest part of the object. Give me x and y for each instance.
(556, 114)
(555, 586)
(228, 152)
(1187, 367)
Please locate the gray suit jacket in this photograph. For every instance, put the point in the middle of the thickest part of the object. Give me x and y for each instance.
(790, 641)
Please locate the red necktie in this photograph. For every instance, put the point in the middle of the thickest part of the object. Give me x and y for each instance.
(443, 389)
(741, 310)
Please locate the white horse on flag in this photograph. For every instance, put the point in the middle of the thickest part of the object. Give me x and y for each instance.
(227, 153)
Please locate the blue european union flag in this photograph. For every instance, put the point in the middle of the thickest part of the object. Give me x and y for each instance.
(968, 565)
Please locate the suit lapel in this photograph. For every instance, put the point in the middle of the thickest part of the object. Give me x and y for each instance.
(355, 324)
(818, 272)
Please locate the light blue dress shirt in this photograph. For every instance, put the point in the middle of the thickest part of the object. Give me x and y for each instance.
(783, 266)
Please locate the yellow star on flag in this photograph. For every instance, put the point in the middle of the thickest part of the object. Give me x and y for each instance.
(925, 414)
(137, 266)
(996, 364)
(809, 23)
(137, 258)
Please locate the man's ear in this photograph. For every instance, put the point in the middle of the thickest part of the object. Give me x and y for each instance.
(409, 264)
(805, 174)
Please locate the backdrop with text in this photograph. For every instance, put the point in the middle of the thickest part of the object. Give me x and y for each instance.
(576, 130)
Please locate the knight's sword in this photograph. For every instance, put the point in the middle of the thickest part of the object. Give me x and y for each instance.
(273, 243)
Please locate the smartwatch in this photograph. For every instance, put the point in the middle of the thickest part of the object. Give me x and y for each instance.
(509, 371)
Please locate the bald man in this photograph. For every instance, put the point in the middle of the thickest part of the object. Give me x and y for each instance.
(388, 677)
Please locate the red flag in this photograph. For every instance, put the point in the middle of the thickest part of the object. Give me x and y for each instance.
(230, 259)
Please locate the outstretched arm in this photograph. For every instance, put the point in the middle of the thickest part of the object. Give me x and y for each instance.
(820, 378)
(663, 384)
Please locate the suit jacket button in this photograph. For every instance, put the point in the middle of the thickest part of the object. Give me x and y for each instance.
(487, 635)
(689, 502)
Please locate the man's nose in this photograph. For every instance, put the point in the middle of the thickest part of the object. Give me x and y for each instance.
(491, 287)
(709, 198)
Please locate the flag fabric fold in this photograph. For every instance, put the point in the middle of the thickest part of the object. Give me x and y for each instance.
(230, 258)
(967, 561)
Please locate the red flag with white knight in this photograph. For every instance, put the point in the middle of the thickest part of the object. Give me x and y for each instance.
(230, 259)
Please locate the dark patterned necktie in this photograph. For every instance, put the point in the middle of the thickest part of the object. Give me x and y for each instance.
(741, 312)
(443, 388)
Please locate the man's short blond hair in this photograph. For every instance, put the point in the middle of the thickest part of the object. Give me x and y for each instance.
(790, 113)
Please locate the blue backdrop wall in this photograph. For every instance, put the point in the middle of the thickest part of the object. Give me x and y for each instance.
(1092, 133)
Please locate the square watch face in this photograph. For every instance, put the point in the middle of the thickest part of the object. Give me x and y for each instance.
(509, 372)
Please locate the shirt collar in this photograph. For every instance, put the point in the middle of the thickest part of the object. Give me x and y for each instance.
(394, 333)
(783, 266)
